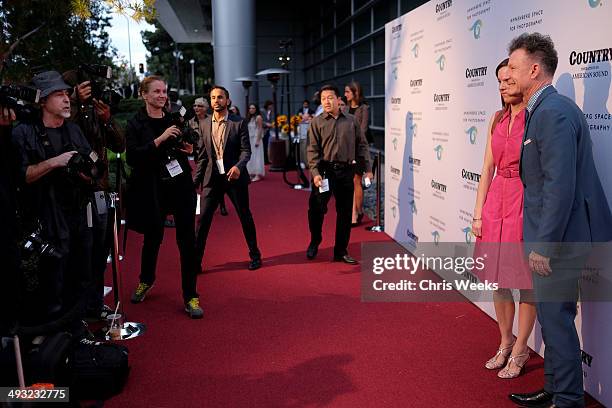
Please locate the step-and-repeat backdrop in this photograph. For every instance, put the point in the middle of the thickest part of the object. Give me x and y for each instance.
(441, 92)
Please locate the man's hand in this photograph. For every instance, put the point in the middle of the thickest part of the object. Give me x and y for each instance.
(539, 264)
(62, 160)
(84, 91)
(318, 181)
(233, 174)
(369, 175)
(7, 116)
(102, 110)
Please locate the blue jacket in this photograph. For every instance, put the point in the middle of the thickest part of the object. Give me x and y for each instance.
(564, 200)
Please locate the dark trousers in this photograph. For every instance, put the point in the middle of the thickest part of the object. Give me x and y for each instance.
(239, 196)
(557, 296)
(177, 199)
(341, 186)
(102, 241)
(67, 282)
(266, 140)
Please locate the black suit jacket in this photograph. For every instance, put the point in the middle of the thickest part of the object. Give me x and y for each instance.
(236, 152)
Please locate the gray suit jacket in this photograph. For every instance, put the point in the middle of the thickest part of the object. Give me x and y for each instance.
(236, 152)
(564, 200)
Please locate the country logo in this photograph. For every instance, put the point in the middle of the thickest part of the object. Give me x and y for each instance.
(394, 141)
(438, 149)
(412, 129)
(475, 28)
(441, 61)
(413, 207)
(436, 237)
(415, 50)
(395, 72)
(594, 3)
(468, 235)
(472, 133)
(394, 211)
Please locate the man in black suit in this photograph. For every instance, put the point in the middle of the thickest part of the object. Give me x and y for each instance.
(305, 109)
(221, 169)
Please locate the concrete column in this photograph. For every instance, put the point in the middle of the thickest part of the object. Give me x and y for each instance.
(234, 47)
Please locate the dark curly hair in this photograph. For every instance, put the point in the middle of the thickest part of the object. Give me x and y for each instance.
(539, 46)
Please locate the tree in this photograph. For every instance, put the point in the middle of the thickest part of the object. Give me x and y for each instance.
(63, 42)
(162, 60)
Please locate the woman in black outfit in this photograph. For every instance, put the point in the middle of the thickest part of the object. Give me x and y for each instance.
(161, 184)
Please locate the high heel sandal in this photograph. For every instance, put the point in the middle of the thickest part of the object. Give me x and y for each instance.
(507, 373)
(492, 363)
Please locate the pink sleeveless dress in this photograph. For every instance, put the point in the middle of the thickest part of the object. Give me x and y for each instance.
(502, 213)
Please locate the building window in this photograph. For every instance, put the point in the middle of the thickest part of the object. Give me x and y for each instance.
(384, 12)
(379, 80)
(362, 25)
(343, 36)
(343, 62)
(379, 48)
(363, 54)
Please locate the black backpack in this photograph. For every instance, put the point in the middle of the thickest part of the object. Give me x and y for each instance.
(97, 370)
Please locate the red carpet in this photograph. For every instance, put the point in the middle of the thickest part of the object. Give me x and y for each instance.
(295, 333)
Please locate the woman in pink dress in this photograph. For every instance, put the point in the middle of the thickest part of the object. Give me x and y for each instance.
(498, 226)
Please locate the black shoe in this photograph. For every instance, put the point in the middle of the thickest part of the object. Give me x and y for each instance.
(312, 250)
(346, 259)
(254, 264)
(533, 399)
(223, 211)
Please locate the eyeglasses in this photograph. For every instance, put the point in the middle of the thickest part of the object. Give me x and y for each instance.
(198, 106)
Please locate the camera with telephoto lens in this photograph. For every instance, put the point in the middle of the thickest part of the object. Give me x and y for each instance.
(181, 119)
(87, 72)
(35, 248)
(84, 163)
(16, 97)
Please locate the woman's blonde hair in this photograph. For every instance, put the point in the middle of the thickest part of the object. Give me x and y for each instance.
(145, 85)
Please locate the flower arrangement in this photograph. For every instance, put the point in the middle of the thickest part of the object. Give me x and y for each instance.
(288, 125)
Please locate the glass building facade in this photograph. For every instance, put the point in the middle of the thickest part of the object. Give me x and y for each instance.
(344, 40)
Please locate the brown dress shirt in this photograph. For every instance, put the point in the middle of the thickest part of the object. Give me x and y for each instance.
(336, 140)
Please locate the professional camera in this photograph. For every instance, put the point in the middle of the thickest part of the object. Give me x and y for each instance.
(15, 96)
(87, 72)
(180, 119)
(84, 163)
(34, 244)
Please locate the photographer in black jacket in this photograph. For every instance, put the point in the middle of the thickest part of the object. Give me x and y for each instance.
(102, 132)
(161, 184)
(55, 170)
(8, 239)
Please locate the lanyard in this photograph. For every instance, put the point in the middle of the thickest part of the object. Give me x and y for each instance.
(219, 147)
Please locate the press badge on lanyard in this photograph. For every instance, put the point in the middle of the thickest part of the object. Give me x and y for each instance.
(324, 186)
(174, 168)
(220, 166)
(100, 197)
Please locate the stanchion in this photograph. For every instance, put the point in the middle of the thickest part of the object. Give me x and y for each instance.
(128, 330)
(378, 227)
(294, 159)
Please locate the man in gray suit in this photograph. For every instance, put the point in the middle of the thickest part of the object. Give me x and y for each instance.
(564, 203)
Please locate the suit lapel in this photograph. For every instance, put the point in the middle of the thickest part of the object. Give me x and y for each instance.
(543, 95)
(207, 135)
(226, 133)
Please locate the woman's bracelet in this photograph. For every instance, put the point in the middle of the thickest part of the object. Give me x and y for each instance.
(476, 219)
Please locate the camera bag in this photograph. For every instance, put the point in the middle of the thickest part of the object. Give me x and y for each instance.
(97, 370)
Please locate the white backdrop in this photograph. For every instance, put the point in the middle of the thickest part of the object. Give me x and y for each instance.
(441, 91)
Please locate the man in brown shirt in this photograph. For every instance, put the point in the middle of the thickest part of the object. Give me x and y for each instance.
(335, 141)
